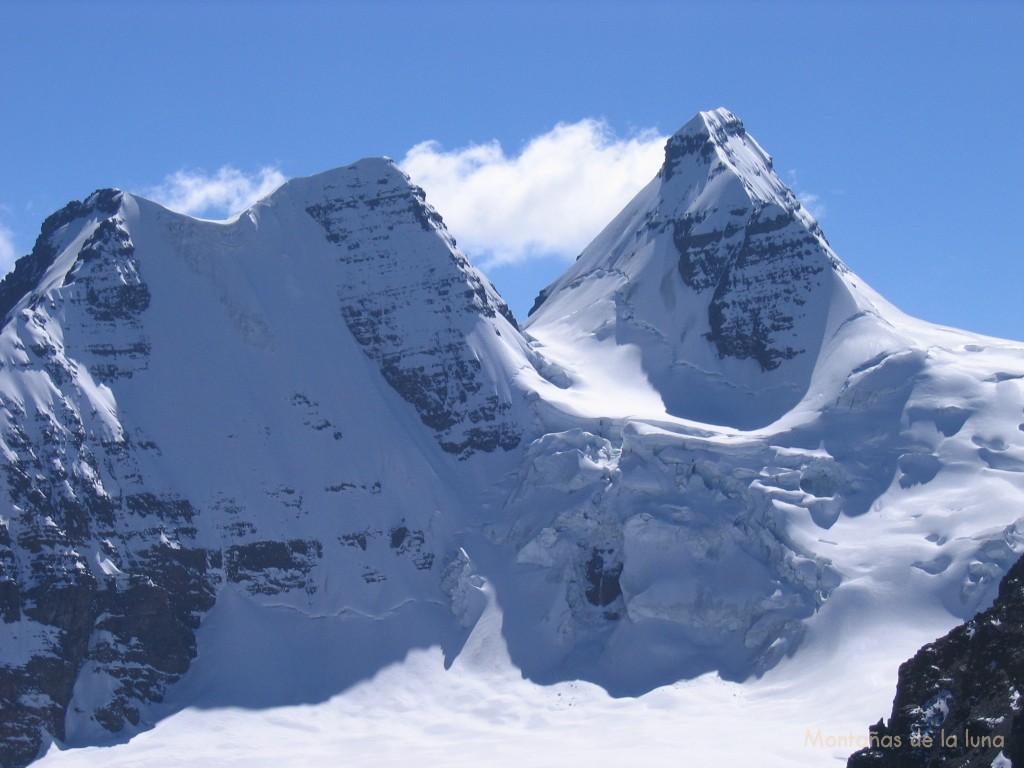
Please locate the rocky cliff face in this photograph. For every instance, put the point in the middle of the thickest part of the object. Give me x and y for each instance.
(68, 605)
(385, 299)
(764, 260)
(958, 701)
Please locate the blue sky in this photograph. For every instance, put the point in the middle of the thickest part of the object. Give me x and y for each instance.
(897, 122)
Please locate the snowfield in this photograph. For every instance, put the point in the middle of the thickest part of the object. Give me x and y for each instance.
(480, 711)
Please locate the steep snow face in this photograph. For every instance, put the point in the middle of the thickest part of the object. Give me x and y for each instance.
(717, 276)
(274, 408)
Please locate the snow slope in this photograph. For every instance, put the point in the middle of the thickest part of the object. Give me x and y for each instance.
(295, 487)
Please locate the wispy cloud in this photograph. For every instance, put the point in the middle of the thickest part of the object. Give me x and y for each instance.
(553, 197)
(811, 201)
(8, 250)
(217, 195)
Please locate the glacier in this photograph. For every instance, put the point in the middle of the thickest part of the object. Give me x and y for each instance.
(303, 471)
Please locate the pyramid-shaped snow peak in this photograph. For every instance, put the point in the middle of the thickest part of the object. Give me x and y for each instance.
(717, 274)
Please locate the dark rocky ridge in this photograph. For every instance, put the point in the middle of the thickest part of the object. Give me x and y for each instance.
(29, 269)
(698, 144)
(968, 686)
(136, 630)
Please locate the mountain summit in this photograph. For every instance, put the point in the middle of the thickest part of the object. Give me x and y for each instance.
(186, 404)
(719, 275)
(252, 464)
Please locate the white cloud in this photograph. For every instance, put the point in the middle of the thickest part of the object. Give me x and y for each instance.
(812, 203)
(218, 195)
(551, 198)
(8, 250)
(809, 200)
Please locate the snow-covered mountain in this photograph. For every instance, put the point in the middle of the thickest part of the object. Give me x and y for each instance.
(280, 403)
(257, 463)
(721, 281)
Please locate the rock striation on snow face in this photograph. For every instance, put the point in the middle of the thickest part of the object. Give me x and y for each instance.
(29, 269)
(252, 463)
(717, 274)
(385, 298)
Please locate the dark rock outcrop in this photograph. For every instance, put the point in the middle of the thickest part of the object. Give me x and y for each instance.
(29, 269)
(958, 701)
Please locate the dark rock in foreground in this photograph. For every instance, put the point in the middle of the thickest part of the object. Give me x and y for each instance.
(958, 701)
